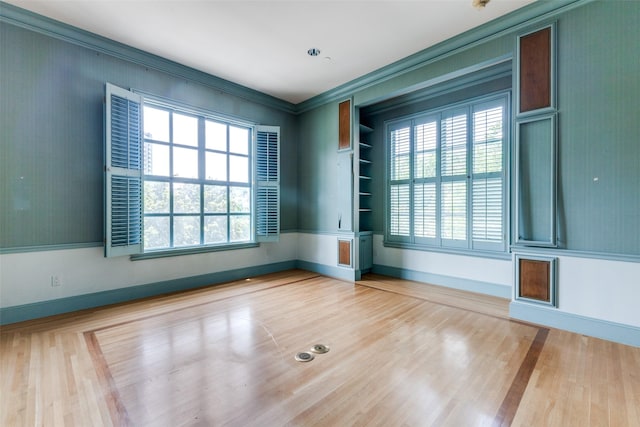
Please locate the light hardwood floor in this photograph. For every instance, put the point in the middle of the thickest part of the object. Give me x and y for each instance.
(401, 354)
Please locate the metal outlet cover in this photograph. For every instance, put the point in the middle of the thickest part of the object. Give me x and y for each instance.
(319, 349)
(304, 356)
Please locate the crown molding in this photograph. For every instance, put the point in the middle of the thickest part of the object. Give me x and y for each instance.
(529, 15)
(26, 19)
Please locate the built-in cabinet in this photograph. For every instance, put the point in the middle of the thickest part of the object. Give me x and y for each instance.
(535, 167)
(355, 190)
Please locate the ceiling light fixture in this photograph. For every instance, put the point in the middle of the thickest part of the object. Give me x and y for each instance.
(479, 4)
(313, 51)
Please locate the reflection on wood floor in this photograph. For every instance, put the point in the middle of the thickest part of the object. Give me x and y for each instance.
(400, 353)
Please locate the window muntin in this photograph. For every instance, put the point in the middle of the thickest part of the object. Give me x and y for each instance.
(197, 180)
(446, 183)
(139, 159)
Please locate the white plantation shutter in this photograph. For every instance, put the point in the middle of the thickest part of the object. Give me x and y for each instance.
(400, 174)
(487, 192)
(453, 163)
(123, 172)
(487, 209)
(453, 206)
(453, 143)
(267, 183)
(425, 132)
(446, 184)
(426, 142)
(400, 154)
(399, 216)
(424, 211)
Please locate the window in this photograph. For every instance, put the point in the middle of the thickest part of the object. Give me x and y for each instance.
(446, 184)
(185, 179)
(197, 180)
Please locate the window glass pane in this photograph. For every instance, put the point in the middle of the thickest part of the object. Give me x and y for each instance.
(453, 143)
(156, 124)
(185, 130)
(487, 140)
(238, 169)
(487, 209)
(156, 197)
(239, 199)
(185, 162)
(188, 206)
(216, 166)
(454, 210)
(399, 212)
(424, 212)
(156, 232)
(186, 198)
(215, 199)
(215, 229)
(400, 150)
(156, 159)
(215, 136)
(186, 230)
(238, 140)
(239, 228)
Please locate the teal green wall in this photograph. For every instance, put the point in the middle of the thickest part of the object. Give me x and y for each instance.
(51, 135)
(51, 128)
(599, 127)
(317, 169)
(599, 130)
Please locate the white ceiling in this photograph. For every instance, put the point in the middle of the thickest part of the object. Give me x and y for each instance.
(262, 44)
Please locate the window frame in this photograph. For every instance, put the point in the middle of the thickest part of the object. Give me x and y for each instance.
(201, 180)
(469, 245)
(258, 209)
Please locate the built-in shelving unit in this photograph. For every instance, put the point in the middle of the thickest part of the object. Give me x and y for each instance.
(364, 181)
(364, 189)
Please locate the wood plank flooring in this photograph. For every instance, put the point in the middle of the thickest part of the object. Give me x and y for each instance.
(401, 354)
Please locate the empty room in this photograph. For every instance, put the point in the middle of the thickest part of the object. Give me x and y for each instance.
(336, 213)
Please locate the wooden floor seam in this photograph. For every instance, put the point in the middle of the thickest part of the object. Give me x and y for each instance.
(503, 418)
(202, 303)
(403, 353)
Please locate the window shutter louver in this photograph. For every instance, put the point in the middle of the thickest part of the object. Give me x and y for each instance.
(487, 190)
(487, 209)
(424, 212)
(453, 137)
(400, 173)
(400, 149)
(123, 172)
(399, 210)
(446, 179)
(454, 210)
(267, 183)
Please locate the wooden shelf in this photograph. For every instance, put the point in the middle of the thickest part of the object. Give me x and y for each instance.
(365, 129)
(365, 199)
